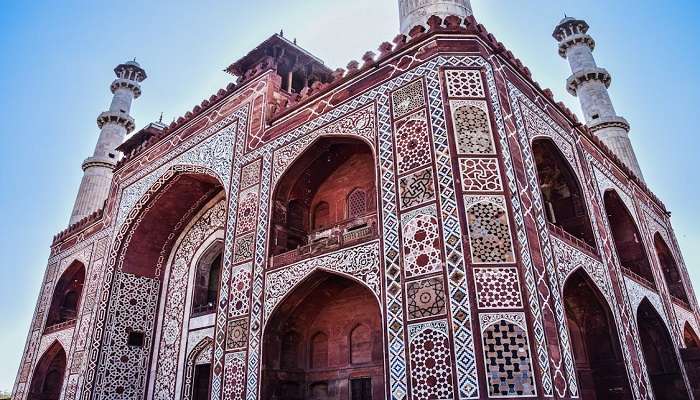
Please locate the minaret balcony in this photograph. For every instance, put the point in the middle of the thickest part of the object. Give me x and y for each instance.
(573, 40)
(608, 122)
(344, 234)
(120, 83)
(116, 117)
(585, 75)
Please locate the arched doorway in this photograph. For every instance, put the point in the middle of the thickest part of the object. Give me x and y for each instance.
(628, 242)
(326, 199)
(66, 295)
(564, 203)
(600, 366)
(324, 341)
(47, 379)
(672, 274)
(659, 354)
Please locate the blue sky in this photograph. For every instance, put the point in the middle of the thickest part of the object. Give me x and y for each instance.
(56, 66)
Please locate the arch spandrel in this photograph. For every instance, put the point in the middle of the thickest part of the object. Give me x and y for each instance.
(360, 263)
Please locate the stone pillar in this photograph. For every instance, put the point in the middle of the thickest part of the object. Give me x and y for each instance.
(590, 84)
(114, 125)
(417, 12)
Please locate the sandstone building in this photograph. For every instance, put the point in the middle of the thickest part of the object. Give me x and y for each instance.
(428, 223)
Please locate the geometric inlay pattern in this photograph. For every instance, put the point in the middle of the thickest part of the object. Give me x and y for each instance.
(247, 210)
(421, 242)
(234, 376)
(237, 335)
(425, 298)
(507, 355)
(489, 231)
(243, 249)
(431, 363)
(416, 188)
(464, 83)
(407, 98)
(497, 287)
(480, 175)
(412, 142)
(472, 127)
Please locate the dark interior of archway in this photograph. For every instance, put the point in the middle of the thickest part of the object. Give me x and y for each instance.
(200, 383)
(66, 295)
(672, 274)
(313, 194)
(324, 341)
(628, 241)
(659, 355)
(564, 201)
(159, 223)
(690, 337)
(599, 364)
(47, 379)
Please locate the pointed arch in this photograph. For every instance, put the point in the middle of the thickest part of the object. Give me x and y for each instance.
(49, 372)
(659, 353)
(600, 365)
(564, 201)
(321, 310)
(207, 279)
(628, 242)
(66, 297)
(690, 338)
(313, 200)
(197, 374)
(669, 267)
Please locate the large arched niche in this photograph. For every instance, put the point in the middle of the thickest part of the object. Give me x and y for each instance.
(66, 296)
(326, 197)
(324, 341)
(142, 247)
(671, 272)
(600, 365)
(628, 242)
(47, 379)
(663, 366)
(564, 202)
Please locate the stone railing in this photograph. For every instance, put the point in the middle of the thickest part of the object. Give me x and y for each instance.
(203, 309)
(681, 302)
(638, 278)
(343, 234)
(571, 239)
(59, 326)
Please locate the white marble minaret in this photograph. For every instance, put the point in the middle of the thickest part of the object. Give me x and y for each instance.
(417, 12)
(590, 84)
(114, 124)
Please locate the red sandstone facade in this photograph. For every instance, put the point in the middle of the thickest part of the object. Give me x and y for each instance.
(427, 224)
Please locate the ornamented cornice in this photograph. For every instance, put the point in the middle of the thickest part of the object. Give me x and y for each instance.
(127, 84)
(573, 41)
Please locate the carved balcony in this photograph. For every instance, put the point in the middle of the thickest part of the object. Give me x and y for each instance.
(638, 278)
(344, 234)
(59, 326)
(203, 309)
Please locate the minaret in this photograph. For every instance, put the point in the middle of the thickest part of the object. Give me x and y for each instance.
(417, 12)
(590, 83)
(114, 125)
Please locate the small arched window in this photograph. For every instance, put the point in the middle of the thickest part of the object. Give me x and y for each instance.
(357, 203)
(207, 280)
(66, 295)
(321, 216)
(319, 350)
(289, 358)
(360, 345)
